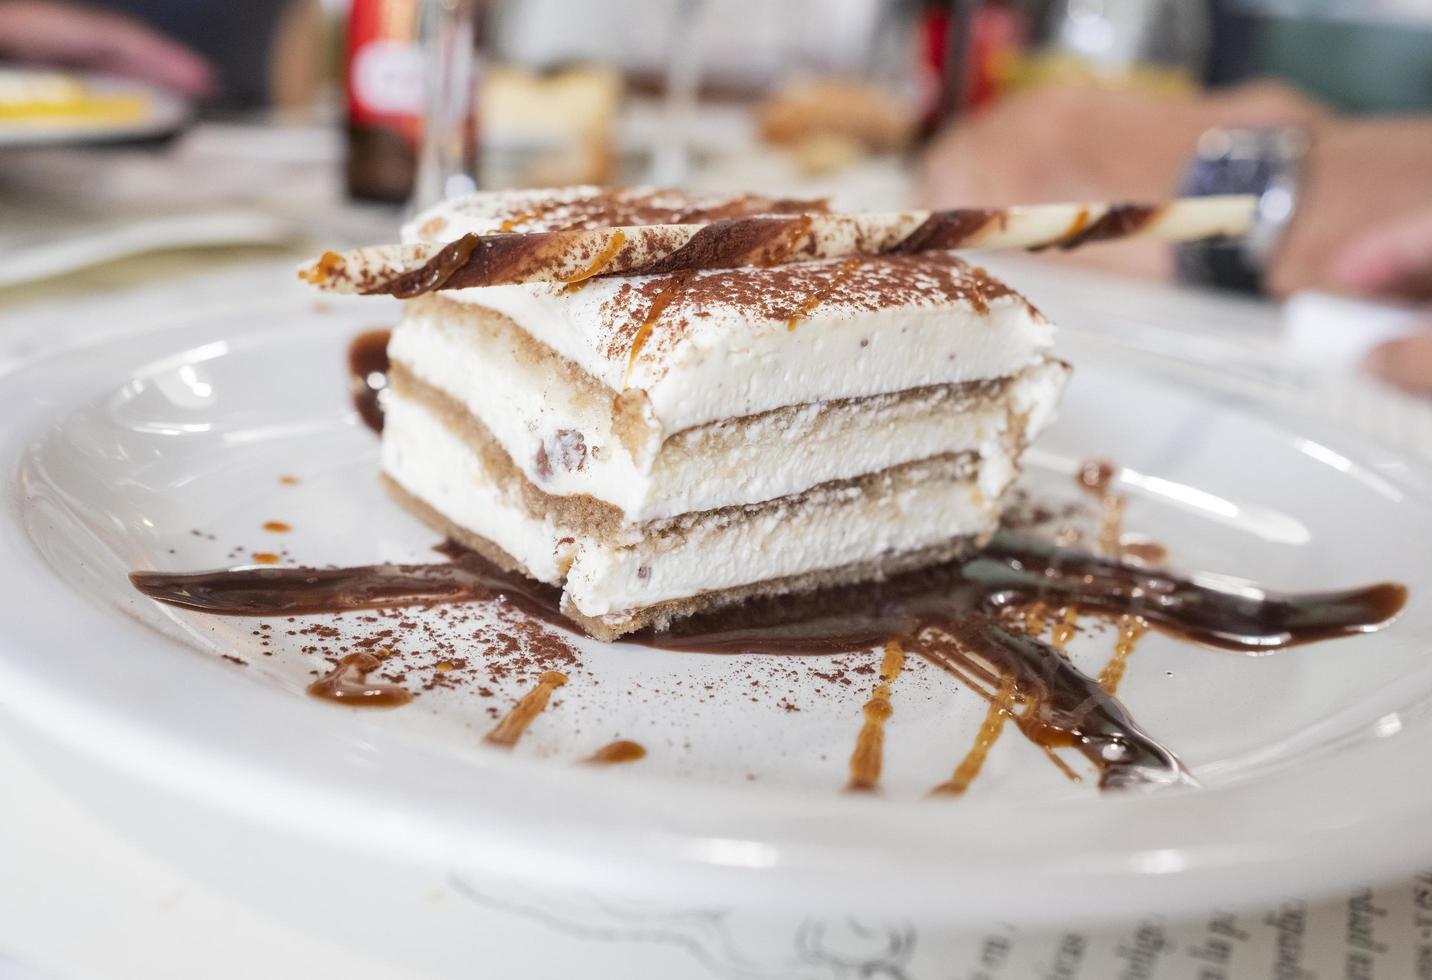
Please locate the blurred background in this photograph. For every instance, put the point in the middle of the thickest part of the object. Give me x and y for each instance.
(145, 138)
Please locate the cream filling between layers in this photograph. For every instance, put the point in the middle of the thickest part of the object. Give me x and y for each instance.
(557, 425)
(731, 361)
(432, 463)
(824, 530)
(919, 505)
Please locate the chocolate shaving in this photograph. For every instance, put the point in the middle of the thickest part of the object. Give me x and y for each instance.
(1120, 220)
(944, 230)
(732, 244)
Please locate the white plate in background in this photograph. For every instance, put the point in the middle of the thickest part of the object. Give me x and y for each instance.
(164, 112)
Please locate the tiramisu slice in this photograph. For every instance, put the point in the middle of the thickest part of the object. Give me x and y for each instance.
(656, 445)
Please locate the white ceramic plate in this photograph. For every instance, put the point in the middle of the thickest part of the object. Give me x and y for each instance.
(133, 454)
(164, 113)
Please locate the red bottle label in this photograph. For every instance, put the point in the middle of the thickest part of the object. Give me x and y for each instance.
(385, 66)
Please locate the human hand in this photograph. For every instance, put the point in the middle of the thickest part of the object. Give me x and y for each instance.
(1091, 143)
(1394, 260)
(74, 35)
(1361, 177)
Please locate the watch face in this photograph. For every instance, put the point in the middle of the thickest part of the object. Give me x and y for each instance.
(1261, 162)
(1229, 175)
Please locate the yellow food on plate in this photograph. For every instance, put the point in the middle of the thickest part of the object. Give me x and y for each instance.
(42, 98)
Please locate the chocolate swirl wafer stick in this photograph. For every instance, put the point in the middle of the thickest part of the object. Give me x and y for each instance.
(763, 240)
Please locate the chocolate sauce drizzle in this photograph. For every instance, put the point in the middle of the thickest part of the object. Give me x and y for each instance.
(437, 271)
(951, 617)
(368, 375)
(466, 577)
(964, 617)
(1251, 620)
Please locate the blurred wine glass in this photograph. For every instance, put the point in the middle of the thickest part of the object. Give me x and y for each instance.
(447, 158)
(671, 156)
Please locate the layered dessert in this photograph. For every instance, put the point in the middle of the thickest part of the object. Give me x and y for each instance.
(657, 445)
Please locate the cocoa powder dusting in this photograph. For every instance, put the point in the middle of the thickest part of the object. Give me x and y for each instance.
(652, 317)
(615, 208)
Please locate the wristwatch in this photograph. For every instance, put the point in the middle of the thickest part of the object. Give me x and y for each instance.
(1266, 162)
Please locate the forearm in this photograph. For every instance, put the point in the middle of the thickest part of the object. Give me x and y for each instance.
(73, 34)
(1358, 175)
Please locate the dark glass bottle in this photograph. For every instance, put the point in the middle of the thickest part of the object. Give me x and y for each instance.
(384, 74)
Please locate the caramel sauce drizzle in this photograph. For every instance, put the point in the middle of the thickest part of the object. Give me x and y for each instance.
(1111, 526)
(277, 527)
(435, 273)
(1116, 221)
(321, 271)
(841, 273)
(1036, 615)
(1001, 707)
(1049, 753)
(1077, 226)
(510, 728)
(348, 684)
(1031, 711)
(1130, 629)
(1142, 550)
(1036, 618)
(510, 224)
(867, 758)
(662, 300)
(1071, 710)
(1097, 476)
(600, 262)
(799, 228)
(540, 210)
(265, 558)
(618, 752)
(1065, 627)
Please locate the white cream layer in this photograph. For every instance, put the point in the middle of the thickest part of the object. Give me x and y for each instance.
(429, 461)
(731, 363)
(604, 578)
(847, 526)
(532, 410)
